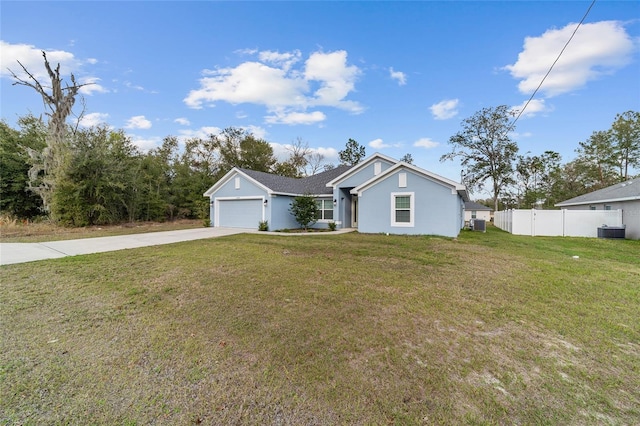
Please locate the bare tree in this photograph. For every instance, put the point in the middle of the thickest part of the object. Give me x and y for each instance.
(314, 163)
(299, 152)
(47, 165)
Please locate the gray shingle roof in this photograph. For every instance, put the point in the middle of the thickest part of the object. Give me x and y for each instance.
(314, 185)
(629, 190)
(472, 205)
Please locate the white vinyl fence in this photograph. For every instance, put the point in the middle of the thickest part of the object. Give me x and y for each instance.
(565, 223)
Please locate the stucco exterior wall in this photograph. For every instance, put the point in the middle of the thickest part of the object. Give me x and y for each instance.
(363, 175)
(480, 214)
(437, 209)
(630, 215)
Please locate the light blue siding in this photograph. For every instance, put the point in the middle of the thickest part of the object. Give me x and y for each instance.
(280, 217)
(247, 189)
(364, 175)
(437, 208)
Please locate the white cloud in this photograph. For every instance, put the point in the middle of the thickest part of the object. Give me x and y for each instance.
(31, 58)
(378, 144)
(329, 154)
(425, 143)
(138, 122)
(93, 119)
(145, 144)
(336, 79)
(130, 85)
(282, 152)
(283, 60)
(256, 131)
(323, 80)
(249, 82)
(202, 133)
(280, 117)
(182, 121)
(398, 75)
(445, 109)
(535, 106)
(598, 49)
(92, 86)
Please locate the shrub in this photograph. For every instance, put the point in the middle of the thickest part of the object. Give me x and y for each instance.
(305, 210)
(332, 226)
(263, 225)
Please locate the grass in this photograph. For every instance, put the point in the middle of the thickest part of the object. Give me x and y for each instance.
(490, 328)
(16, 231)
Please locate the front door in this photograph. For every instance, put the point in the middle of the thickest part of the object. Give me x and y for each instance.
(354, 211)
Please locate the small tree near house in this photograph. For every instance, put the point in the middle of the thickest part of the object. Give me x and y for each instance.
(304, 209)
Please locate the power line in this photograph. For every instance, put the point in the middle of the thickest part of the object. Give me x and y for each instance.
(552, 65)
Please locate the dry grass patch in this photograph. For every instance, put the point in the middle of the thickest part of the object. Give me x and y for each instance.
(346, 329)
(19, 231)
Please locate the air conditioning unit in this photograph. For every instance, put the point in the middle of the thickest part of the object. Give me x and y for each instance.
(479, 225)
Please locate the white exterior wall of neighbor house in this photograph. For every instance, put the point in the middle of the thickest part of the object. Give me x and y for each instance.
(480, 214)
(630, 214)
(436, 208)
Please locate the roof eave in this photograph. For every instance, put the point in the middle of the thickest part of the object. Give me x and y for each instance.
(609, 200)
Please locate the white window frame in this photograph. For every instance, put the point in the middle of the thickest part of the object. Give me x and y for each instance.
(322, 218)
(412, 209)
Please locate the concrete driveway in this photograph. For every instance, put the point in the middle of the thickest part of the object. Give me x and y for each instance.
(28, 252)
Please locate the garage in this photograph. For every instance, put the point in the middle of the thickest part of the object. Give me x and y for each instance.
(244, 213)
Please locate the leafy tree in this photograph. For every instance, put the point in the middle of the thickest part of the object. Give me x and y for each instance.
(239, 148)
(15, 197)
(407, 158)
(98, 185)
(352, 154)
(625, 135)
(305, 210)
(598, 157)
(285, 168)
(535, 177)
(486, 150)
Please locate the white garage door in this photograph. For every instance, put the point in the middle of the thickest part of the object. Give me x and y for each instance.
(240, 213)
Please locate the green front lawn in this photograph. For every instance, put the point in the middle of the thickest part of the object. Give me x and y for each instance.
(490, 328)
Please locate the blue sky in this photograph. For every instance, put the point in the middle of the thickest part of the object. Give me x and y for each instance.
(398, 77)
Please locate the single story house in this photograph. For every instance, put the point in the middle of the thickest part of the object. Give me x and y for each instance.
(378, 195)
(473, 210)
(624, 196)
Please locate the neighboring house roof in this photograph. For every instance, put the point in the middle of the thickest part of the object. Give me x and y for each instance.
(625, 191)
(275, 184)
(455, 186)
(472, 205)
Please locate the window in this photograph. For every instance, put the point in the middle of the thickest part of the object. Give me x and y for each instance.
(474, 214)
(325, 210)
(607, 207)
(592, 207)
(402, 209)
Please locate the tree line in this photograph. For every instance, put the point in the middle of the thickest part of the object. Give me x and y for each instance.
(91, 176)
(490, 160)
(104, 178)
